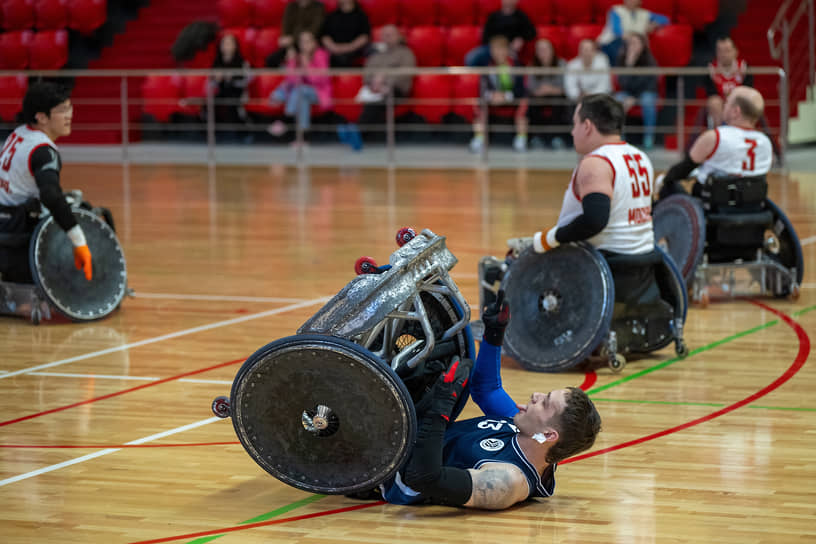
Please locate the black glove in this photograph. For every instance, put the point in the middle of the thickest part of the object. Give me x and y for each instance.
(449, 387)
(495, 317)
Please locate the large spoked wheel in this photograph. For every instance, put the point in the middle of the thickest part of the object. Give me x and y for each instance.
(322, 414)
(680, 230)
(789, 252)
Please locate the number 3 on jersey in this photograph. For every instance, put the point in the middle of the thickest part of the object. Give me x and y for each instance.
(748, 164)
(640, 177)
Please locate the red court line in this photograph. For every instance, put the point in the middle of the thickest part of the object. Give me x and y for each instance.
(589, 380)
(261, 523)
(116, 394)
(106, 446)
(801, 357)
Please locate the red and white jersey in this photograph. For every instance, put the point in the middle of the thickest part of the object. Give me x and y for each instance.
(738, 152)
(725, 83)
(17, 183)
(629, 229)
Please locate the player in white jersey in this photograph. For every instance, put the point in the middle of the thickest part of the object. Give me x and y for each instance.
(609, 199)
(736, 149)
(29, 175)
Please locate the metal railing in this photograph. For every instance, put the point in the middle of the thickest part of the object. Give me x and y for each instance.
(785, 24)
(129, 97)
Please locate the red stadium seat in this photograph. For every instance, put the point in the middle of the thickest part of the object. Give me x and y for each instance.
(203, 58)
(246, 40)
(671, 45)
(428, 45)
(697, 13)
(662, 7)
(545, 32)
(85, 16)
(266, 43)
(435, 88)
(12, 91)
(51, 14)
(465, 87)
(380, 12)
(259, 90)
(418, 12)
(194, 90)
(48, 50)
(14, 49)
(161, 95)
(540, 13)
(570, 12)
(267, 13)
(576, 33)
(17, 14)
(234, 13)
(345, 89)
(601, 7)
(484, 8)
(457, 12)
(460, 40)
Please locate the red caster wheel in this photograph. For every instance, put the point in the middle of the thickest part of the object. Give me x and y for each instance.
(405, 235)
(365, 265)
(221, 407)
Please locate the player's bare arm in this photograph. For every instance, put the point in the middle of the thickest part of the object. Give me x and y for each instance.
(497, 486)
(595, 175)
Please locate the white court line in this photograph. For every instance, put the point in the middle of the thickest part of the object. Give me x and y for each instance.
(122, 377)
(163, 337)
(181, 296)
(107, 451)
(808, 285)
(807, 241)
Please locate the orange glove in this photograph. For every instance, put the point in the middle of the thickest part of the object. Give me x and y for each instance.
(82, 261)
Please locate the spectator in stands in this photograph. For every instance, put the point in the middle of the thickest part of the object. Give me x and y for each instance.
(625, 19)
(298, 16)
(378, 82)
(546, 88)
(579, 80)
(307, 82)
(230, 89)
(639, 89)
(501, 89)
(726, 72)
(510, 22)
(346, 34)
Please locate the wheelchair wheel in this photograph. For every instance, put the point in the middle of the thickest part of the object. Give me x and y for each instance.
(789, 252)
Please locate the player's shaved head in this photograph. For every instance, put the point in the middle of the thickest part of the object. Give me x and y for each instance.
(749, 101)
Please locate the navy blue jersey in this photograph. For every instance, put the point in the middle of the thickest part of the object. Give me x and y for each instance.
(471, 443)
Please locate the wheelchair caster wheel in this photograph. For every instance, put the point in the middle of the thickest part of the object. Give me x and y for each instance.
(36, 316)
(221, 407)
(681, 349)
(617, 363)
(365, 265)
(794, 292)
(405, 235)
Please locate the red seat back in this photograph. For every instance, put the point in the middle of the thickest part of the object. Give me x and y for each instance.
(12, 91)
(577, 33)
(697, 13)
(161, 95)
(601, 7)
(460, 40)
(436, 89)
(259, 90)
(85, 16)
(193, 89)
(555, 34)
(345, 89)
(380, 12)
(233, 13)
(51, 14)
(418, 12)
(48, 50)
(457, 12)
(465, 87)
(662, 7)
(540, 13)
(17, 14)
(428, 45)
(484, 8)
(266, 43)
(14, 49)
(267, 13)
(570, 12)
(671, 45)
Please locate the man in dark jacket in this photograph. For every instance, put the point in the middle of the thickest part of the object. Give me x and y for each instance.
(510, 22)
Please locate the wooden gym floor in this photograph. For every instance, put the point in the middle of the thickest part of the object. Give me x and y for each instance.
(107, 435)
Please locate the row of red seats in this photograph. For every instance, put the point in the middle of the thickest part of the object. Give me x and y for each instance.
(22, 49)
(439, 46)
(262, 13)
(12, 91)
(84, 16)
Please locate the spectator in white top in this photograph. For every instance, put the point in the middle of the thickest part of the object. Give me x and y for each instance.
(625, 19)
(579, 80)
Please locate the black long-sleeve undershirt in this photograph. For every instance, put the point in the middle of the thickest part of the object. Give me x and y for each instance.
(596, 208)
(45, 163)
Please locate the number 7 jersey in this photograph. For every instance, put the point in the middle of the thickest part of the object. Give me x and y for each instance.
(737, 152)
(629, 229)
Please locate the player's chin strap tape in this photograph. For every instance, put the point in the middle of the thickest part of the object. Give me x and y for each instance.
(679, 171)
(424, 472)
(595, 217)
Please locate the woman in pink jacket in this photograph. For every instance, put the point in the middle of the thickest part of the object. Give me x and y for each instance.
(301, 89)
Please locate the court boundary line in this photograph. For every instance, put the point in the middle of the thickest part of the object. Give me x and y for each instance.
(161, 338)
(221, 298)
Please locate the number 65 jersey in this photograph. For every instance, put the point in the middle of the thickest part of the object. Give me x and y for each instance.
(629, 229)
(737, 152)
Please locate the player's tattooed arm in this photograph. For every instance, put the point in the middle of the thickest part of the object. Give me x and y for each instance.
(497, 486)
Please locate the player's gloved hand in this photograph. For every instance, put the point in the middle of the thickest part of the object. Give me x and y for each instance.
(545, 241)
(495, 317)
(449, 387)
(82, 261)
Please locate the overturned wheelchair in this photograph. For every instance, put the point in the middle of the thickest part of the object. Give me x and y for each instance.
(572, 303)
(58, 287)
(733, 241)
(331, 408)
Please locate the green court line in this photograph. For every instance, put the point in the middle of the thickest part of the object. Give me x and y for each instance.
(710, 404)
(263, 517)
